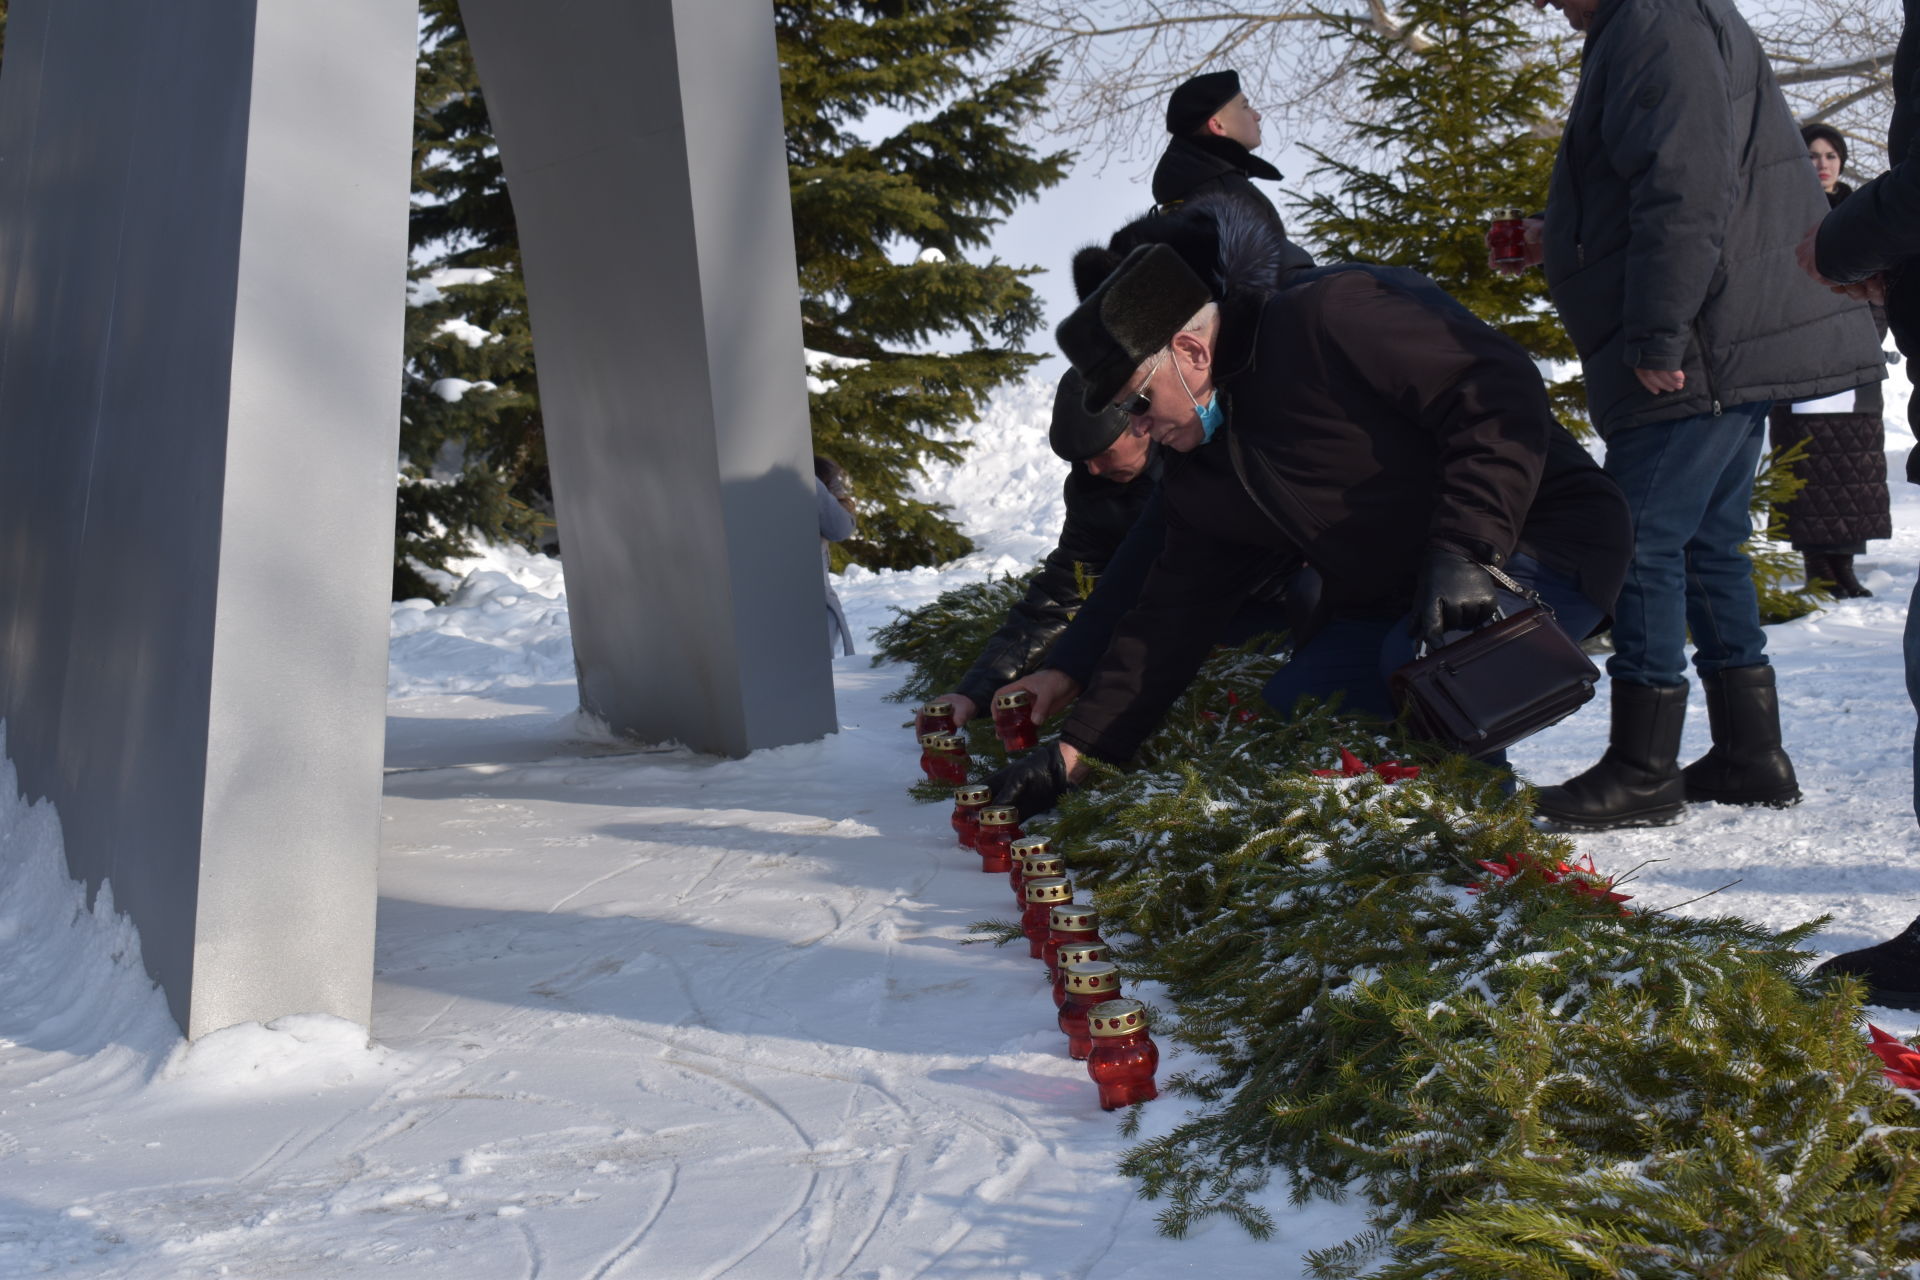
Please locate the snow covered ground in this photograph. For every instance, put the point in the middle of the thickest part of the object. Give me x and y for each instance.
(646, 1014)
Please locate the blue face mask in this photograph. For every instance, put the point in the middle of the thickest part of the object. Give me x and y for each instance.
(1212, 416)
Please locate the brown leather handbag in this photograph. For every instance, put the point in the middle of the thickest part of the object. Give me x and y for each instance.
(1491, 688)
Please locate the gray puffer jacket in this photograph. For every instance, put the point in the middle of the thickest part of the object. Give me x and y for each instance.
(1681, 189)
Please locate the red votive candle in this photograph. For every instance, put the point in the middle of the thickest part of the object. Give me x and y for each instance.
(1068, 925)
(1033, 865)
(1018, 851)
(1043, 894)
(1124, 1055)
(944, 757)
(935, 717)
(1070, 956)
(1091, 984)
(968, 801)
(1013, 720)
(1507, 237)
(999, 828)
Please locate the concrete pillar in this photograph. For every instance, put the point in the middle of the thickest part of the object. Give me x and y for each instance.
(202, 268)
(643, 149)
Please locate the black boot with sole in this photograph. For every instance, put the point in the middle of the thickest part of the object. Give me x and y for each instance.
(1845, 583)
(1637, 782)
(1891, 969)
(1747, 764)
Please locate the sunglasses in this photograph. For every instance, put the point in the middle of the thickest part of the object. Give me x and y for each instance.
(1139, 402)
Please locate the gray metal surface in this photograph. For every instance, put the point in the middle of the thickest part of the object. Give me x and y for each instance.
(643, 149)
(202, 254)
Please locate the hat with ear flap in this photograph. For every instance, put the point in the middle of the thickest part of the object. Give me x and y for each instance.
(1133, 313)
(1078, 434)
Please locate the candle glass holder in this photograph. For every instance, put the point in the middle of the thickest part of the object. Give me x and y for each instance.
(999, 828)
(944, 757)
(1019, 851)
(1088, 985)
(1042, 895)
(1068, 925)
(1124, 1056)
(1507, 237)
(968, 801)
(935, 717)
(1013, 720)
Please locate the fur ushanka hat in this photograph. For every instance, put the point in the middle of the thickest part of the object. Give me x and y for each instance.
(1132, 313)
(1076, 433)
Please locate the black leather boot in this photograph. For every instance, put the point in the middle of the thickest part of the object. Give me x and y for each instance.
(1891, 969)
(1818, 571)
(1840, 569)
(1637, 782)
(1746, 764)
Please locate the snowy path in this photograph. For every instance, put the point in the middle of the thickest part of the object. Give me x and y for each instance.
(647, 1015)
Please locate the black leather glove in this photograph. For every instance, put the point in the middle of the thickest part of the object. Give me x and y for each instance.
(1034, 783)
(1454, 594)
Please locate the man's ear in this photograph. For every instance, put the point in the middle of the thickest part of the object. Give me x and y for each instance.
(1199, 355)
(1215, 128)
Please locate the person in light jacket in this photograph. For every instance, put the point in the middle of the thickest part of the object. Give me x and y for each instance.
(833, 495)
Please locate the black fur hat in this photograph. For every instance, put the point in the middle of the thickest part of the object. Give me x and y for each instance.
(1133, 313)
(1078, 434)
(1196, 100)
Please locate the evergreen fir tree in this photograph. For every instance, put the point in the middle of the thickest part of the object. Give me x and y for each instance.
(473, 452)
(904, 154)
(1459, 132)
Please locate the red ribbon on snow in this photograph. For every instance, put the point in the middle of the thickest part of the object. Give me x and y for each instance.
(1902, 1060)
(1351, 766)
(1580, 876)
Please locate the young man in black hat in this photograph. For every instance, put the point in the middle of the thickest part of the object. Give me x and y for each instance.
(1113, 474)
(1215, 130)
(1358, 418)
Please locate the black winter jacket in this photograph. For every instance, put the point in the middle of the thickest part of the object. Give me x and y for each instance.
(1681, 189)
(1099, 515)
(1193, 168)
(1369, 416)
(1877, 229)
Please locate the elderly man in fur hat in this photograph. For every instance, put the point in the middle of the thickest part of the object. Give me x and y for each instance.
(1358, 418)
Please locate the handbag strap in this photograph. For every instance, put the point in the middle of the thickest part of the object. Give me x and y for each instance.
(1528, 594)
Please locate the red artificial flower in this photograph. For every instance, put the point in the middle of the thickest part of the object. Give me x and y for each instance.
(1386, 771)
(1902, 1060)
(1581, 877)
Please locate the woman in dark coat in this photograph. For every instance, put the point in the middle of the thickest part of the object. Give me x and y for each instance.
(1844, 502)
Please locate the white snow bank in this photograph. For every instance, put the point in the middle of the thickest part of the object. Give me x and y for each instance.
(294, 1054)
(504, 626)
(74, 981)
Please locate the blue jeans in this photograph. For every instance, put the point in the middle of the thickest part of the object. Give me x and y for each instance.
(1354, 656)
(1689, 485)
(1911, 645)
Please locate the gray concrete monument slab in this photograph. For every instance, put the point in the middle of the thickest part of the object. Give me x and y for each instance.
(202, 258)
(643, 149)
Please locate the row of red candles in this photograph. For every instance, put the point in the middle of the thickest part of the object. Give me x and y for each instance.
(1105, 1031)
(943, 748)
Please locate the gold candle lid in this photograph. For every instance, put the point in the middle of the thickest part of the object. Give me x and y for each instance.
(1509, 215)
(1074, 918)
(931, 741)
(937, 708)
(976, 793)
(1073, 953)
(1093, 977)
(1042, 864)
(1026, 845)
(949, 742)
(1048, 889)
(1008, 701)
(1000, 815)
(1116, 1017)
